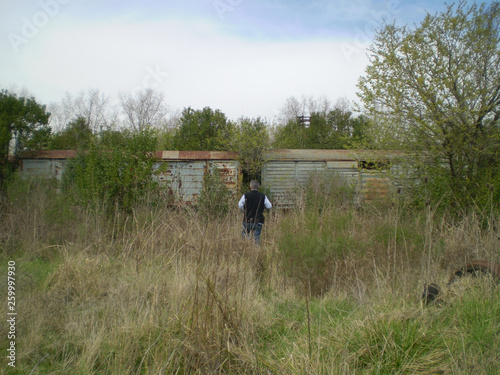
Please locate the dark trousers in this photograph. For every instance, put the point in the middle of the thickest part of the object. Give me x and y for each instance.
(252, 229)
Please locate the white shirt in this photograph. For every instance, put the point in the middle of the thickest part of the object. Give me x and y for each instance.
(267, 203)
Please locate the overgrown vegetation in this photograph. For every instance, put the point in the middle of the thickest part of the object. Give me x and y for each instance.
(116, 177)
(333, 289)
(311, 243)
(433, 90)
(112, 280)
(214, 201)
(23, 126)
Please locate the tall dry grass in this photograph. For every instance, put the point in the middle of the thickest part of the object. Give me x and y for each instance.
(163, 291)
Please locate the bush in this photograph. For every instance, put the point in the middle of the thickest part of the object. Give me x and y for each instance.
(430, 185)
(328, 190)
(117, 177)
(215, 196)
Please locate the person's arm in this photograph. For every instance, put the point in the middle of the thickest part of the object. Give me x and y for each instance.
(267, 203)
(241, 203)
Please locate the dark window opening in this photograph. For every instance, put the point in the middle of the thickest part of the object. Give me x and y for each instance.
(374, 165)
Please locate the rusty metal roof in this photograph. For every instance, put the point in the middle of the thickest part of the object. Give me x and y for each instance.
(284, 154)
(325, 155)
(46, 154)
(196, 155)
(162, 155)
(297, 154)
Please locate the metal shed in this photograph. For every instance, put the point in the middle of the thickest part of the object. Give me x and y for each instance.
(44, 164)
(286, 172)
(185, 171)
(183, 174)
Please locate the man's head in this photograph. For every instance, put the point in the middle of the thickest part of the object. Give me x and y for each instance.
(254, 185)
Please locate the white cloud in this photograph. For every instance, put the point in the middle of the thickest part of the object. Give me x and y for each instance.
(195, 64)
(244, 63)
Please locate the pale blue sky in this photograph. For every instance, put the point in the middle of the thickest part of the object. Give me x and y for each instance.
(244, 57)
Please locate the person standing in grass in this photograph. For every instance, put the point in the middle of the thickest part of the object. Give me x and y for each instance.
(252, 204)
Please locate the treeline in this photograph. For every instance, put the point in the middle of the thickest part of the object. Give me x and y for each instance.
(84, 122)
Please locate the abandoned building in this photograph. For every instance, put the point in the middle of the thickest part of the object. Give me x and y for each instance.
(283, 173)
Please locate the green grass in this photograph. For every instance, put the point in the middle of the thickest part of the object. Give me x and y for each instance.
(164, 291)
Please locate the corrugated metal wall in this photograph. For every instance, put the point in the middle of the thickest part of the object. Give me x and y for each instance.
(283, 178)
(185, 178)
(45, 164)
(183, 174)
(46, 168)
(284, 172)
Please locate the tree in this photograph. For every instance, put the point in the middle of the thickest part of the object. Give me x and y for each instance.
(114, 139)
(291, 135)
(437, 87)
(251, 138)
(23, 126)
(329, 128)
(76, 136)
(203, 130)
(360, 137)
(90, 105)
(320, 134)
(145, 108)
(304, 106)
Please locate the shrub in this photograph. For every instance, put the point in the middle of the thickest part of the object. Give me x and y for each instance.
(327, 190)
(118, 177)
(214, 197)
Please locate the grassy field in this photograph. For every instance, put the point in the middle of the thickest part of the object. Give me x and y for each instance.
(331, 290)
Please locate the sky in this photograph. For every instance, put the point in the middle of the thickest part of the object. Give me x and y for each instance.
(243, 57)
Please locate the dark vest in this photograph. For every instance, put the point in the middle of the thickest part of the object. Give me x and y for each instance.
(254, 207)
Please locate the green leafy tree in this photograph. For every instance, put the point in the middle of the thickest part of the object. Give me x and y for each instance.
(112, 139)
(335, 129)
(23, 126)
(319, 134)
(292, 135)
(251, 138)
(436, 89)
(203, 130)
(166, 139)
(76, 136)
(359, 133)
